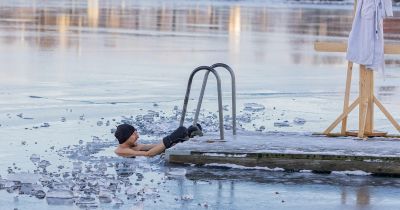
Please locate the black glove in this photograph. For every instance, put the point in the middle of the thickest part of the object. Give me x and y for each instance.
(195, 130)
(179, 135)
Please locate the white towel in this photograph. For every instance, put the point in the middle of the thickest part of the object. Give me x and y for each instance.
(366, 44)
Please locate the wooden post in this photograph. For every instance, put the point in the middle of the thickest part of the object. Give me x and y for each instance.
(366, 111)
(347, 95)
(369, 126)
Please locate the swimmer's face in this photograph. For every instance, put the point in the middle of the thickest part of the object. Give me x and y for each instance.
(133, 138)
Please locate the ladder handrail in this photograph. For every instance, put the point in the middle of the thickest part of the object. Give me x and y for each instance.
(233, 82)
(220, 110)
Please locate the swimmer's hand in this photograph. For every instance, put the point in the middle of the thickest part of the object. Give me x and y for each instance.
(179, 135)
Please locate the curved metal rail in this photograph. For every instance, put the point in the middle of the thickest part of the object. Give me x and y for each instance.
(220, 110)
(233, 81)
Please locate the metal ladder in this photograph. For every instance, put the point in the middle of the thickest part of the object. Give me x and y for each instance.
(211, 69)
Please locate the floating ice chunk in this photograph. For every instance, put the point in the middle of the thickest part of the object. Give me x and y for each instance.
(4, 184)
(24, 177)
(105, 196)
(35, 158)
(177, 172)
(32, 189)
(92, 182)
(299, 121)
(26, 188)
(40, 194)
(87, 202)
(148, 117)
(118, 202)
(215, 154)
(102, 167)
(246, 118)
(226, 108)
(150, 192)
(261, 128)
(45, 125)
(139, 117)
(131, 192)
(60, 197)
(253, 107)
(124, 169)
(187, 197)
(43, 164)
(77, 166)
(113, 130)
(228, 127)
(354, 173)
(228, 165)
(139, 206)
(113, 186)
(281, 124)
(61, 186)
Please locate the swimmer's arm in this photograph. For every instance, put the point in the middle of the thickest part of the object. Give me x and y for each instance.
(127, 152)
(145, 147)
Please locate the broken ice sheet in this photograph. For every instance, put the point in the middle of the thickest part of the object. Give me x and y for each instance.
(299, 121)
(24, 177)
(253, 107)
(281, 124)
(77, 166)
(105, 196)
(87, 202)
(176, 172)
(4, 184)
(125, 169)
(35, 158)
(187, 197)
(44, 163)
(60, 197)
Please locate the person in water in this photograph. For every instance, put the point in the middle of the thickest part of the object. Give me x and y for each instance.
(128, 136)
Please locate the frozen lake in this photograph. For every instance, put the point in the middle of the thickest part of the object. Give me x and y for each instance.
(80, 65)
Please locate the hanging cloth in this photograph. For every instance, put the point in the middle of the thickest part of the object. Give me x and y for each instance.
(366, 44)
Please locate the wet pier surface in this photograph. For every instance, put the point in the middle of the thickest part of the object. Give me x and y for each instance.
(293, 152)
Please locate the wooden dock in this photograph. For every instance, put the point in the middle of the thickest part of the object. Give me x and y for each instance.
(292, 152)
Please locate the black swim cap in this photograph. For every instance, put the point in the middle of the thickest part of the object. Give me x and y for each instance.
(123, 132)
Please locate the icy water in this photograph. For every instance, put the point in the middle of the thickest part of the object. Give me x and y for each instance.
(72, 70)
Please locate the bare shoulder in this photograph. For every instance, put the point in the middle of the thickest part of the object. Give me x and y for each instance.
(127, 152)
(123, 152)
(118, 151)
